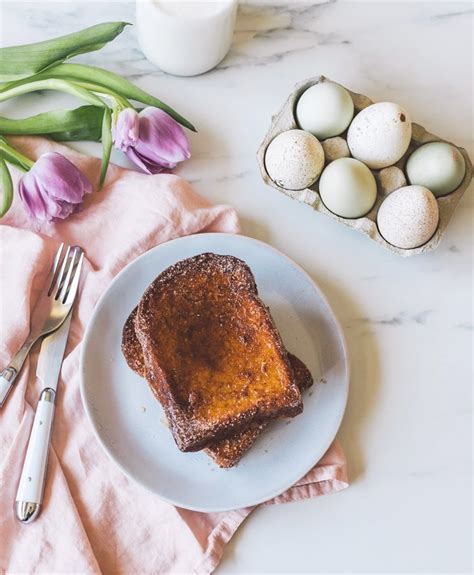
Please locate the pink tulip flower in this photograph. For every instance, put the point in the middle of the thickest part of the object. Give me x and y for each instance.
(53, 188)
(125, 130)
(161, 143)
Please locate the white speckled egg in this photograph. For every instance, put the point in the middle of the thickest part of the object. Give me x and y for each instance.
(294, 159)
(408, 217)
(437, 166)
(380, 134)
(325, 110)
(347, 187)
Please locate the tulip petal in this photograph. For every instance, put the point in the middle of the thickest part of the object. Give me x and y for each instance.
(162, 137)
(53, 188)
(61, 178)
(143, 163)
(161, 144)
(31, 196)
(126, 129)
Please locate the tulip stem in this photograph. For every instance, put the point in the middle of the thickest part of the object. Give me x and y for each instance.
(106, 80)
(106, 145)
(105, 92)
(14, 156)
(6, 194)
(53, 84)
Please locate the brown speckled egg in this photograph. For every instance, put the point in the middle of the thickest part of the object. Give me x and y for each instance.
(408, 217)
(294, 159)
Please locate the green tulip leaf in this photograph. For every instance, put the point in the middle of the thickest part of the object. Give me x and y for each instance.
(13, 156)
(29, 59)
(57, 84)
(85, 134)
(83, 123)
(6, 188)
(100, 77)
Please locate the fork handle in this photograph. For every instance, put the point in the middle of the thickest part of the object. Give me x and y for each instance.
(7, 379)
(10, 373)
(30, 489)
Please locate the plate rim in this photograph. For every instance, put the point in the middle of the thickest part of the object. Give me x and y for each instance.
(87, 335)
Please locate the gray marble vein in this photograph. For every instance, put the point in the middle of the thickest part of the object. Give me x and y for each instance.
(408, 322)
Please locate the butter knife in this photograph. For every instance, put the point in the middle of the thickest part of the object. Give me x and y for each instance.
(30, 489)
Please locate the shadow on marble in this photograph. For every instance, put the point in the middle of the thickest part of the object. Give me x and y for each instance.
(255, 228)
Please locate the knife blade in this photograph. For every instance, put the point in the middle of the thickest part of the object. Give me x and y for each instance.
(51, 356)
(31, 486)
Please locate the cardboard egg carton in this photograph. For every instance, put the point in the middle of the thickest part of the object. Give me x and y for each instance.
(387, 179)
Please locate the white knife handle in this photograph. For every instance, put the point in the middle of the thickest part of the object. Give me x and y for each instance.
(30, 489)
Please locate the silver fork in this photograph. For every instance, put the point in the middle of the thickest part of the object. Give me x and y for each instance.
(52, 308)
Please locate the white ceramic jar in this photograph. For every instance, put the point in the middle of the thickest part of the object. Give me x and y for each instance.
(185, 38)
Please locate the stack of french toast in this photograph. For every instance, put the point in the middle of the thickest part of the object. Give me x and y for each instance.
(209, 350)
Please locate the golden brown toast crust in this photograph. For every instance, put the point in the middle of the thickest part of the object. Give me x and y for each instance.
(131, 348)
(213, 356)
(226, 452)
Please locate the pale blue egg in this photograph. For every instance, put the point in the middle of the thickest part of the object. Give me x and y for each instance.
(325, 110)
(438, 166)
(348, 188)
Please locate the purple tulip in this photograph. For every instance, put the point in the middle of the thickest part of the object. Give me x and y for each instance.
(53, 188)
(162, 143)
(125, 130)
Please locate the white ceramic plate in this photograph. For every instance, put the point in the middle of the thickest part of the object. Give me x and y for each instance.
(129, 422)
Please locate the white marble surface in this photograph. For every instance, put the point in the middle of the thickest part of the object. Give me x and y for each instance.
(408, 322)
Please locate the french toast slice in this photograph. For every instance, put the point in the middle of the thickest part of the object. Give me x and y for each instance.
(226, 452)
(213, 356)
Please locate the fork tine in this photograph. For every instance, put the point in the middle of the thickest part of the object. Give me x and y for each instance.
(62, 274)
(54, 268)
(70, 272)
(72, 289)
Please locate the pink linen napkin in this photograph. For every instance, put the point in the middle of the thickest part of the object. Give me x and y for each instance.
(94, 519)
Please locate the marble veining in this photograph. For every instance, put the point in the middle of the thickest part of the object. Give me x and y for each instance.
(408, 322)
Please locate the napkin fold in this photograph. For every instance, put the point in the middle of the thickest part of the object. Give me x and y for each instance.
(94, 519)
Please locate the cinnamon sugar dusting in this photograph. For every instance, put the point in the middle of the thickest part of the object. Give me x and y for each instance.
(211, 355)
